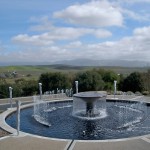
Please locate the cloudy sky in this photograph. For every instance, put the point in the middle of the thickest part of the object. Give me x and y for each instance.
(54, 30)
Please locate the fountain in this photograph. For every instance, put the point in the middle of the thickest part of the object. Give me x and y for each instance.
(88, 116)
(40, 105)
(85, 104)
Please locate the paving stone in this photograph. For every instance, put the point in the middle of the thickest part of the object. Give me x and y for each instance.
(31, 143)
(138, 144)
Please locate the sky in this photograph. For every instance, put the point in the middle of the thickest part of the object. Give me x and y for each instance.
(56, 30)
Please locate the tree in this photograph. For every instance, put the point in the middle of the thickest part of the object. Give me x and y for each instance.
(30, 87)
(133, 83)
(4, 92)
(52, 81)
(89, 81)
(109, 77)
(121, 82)
(45, 79)
(146, 80)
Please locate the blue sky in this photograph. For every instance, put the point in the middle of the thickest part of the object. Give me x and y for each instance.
(49, 31)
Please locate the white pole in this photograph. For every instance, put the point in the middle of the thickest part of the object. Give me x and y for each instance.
(10, 95)
(62, 92)
(18, 116)
(115, 83)
(40, 89)
(76, 83)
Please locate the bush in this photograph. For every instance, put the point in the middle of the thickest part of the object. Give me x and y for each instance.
(28, 75)
(133, 83)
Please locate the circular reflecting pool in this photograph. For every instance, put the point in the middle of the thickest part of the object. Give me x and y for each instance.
(121, 119)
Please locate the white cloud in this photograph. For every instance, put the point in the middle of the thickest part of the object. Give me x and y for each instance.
(94, 13)
(58, 34)
(44, 24)
(144, 31)
(2, 47)
(101, 33)
(134, 1)
(134, 9)
(135, 47)
(136, 15)
(37, 40)
(52, 43)
(74, 45)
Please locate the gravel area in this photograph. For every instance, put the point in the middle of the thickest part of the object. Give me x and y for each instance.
(3, 133)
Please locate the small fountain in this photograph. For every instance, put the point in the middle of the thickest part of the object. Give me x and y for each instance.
(85, 105)
(40, 105)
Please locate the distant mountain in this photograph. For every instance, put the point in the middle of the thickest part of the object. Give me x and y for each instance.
(89, 62)
(84, 62)
(23, 63)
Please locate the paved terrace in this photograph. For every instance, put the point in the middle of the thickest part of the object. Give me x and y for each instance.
(30, 142)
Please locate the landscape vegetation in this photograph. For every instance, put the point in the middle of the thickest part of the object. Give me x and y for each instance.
(24, 79)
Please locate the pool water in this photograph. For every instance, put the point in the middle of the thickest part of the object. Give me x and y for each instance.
(123, 119)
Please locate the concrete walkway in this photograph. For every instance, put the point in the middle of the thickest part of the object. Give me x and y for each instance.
(138, 144)
(31, 143)
(36, 143)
